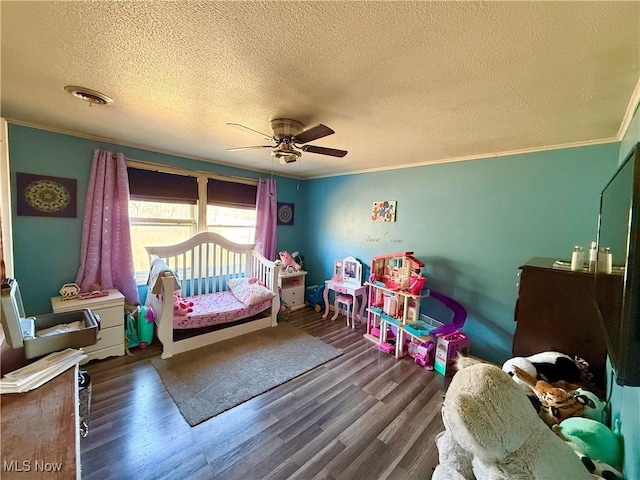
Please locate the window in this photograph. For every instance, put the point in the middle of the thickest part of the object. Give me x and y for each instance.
(164, 209)
(236, 224)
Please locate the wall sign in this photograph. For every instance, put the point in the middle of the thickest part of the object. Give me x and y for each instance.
(43, 196)
(285, 213)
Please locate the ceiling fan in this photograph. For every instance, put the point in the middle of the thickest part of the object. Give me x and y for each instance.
(289, 139)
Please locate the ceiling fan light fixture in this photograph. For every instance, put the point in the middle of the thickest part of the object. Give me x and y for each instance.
(92, 97)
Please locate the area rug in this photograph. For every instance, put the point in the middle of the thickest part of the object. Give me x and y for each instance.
(205, 382)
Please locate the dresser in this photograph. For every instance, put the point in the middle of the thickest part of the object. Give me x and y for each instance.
(110, 309)
(40, 433)
(292, 288)
(555, 311)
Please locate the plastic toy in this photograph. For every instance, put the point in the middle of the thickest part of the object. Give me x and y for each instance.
(288, 263)
(313, 297)
(425, 355)
(387, 347)
(447, 347)
(146, 318)
(131, 331)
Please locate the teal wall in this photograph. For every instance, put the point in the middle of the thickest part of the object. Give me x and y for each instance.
(625, 401)
(472, 223)
(47, 250)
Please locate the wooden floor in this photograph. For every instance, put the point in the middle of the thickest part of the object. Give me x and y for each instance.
(363, 415)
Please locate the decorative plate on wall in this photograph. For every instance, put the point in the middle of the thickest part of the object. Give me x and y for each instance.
(285, 213)
(43, 196)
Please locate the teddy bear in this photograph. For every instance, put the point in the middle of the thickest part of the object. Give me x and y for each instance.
(181, 306)
(492, 431)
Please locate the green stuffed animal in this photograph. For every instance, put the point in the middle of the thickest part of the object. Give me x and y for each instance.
(592, 438)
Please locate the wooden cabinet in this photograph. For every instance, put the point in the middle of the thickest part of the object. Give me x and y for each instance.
(292, 286)
(555, 311)
(110, 309)
(40, 431)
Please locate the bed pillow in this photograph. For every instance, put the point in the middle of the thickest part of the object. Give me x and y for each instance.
(247, 292)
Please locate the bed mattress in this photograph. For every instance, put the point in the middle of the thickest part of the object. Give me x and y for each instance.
(215, 309)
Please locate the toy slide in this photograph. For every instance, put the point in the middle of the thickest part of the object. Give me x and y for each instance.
(459, 314)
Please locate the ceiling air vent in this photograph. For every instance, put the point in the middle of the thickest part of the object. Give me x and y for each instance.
(90, 96)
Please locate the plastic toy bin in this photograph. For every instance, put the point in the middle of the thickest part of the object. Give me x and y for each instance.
(24, 332)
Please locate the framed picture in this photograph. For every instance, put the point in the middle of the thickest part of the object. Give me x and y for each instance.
(42, 196)
(384, 211)
(285, 213)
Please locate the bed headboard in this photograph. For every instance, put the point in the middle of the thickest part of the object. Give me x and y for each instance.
(205, 261)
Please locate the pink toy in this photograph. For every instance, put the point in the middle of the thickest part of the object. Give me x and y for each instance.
(425, 355)
(255, 280)
(387, 347)
(447, 348)
(288, 261)
(181, 306)
(417, 283)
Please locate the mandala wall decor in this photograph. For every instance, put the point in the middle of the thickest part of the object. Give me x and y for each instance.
(43, 196)
(285, 213)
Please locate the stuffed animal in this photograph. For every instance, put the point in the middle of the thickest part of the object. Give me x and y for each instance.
(255, 280)
(455, 461)
(486, 414)
(600, 469)
(556, 366)
(592, 438)
(556, 403)
(525, 365)
(181, 306)
(288, 263)
(594, 408)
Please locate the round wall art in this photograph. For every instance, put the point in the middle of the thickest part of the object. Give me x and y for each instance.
(285, 213)
(44, 196)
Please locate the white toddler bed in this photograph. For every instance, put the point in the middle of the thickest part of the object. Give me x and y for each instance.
(231, 286)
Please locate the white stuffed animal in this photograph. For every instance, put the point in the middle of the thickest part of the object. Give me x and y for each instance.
(487, 415)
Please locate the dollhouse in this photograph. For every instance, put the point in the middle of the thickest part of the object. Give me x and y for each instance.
(395, 289)
(394, 322)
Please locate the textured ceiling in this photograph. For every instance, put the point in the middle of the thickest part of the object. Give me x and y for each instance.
(400, 82)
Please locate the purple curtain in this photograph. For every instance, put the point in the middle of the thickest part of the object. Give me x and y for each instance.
(106, 257)
(266, 206)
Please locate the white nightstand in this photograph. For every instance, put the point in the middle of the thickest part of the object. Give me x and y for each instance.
(110, 309)
(292, 285)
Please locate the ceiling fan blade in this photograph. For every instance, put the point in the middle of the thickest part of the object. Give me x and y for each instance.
(324, 151)
(312, 134)
(242, 127)
(254, 147)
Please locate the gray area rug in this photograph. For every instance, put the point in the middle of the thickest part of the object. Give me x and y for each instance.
(205, 382)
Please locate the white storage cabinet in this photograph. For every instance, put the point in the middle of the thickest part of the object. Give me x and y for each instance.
(292, 285)
(110, 309)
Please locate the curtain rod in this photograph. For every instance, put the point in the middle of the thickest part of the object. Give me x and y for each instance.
(183, 171)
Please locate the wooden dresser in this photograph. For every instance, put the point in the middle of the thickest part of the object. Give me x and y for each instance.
(555, 311)
(40, 434)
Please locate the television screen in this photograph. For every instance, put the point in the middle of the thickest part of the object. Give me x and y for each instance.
(617, 282)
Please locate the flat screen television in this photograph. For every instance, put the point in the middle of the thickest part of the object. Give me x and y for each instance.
(617, 289)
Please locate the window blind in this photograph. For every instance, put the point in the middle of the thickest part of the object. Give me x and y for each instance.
(231, 194)
(152, 186)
